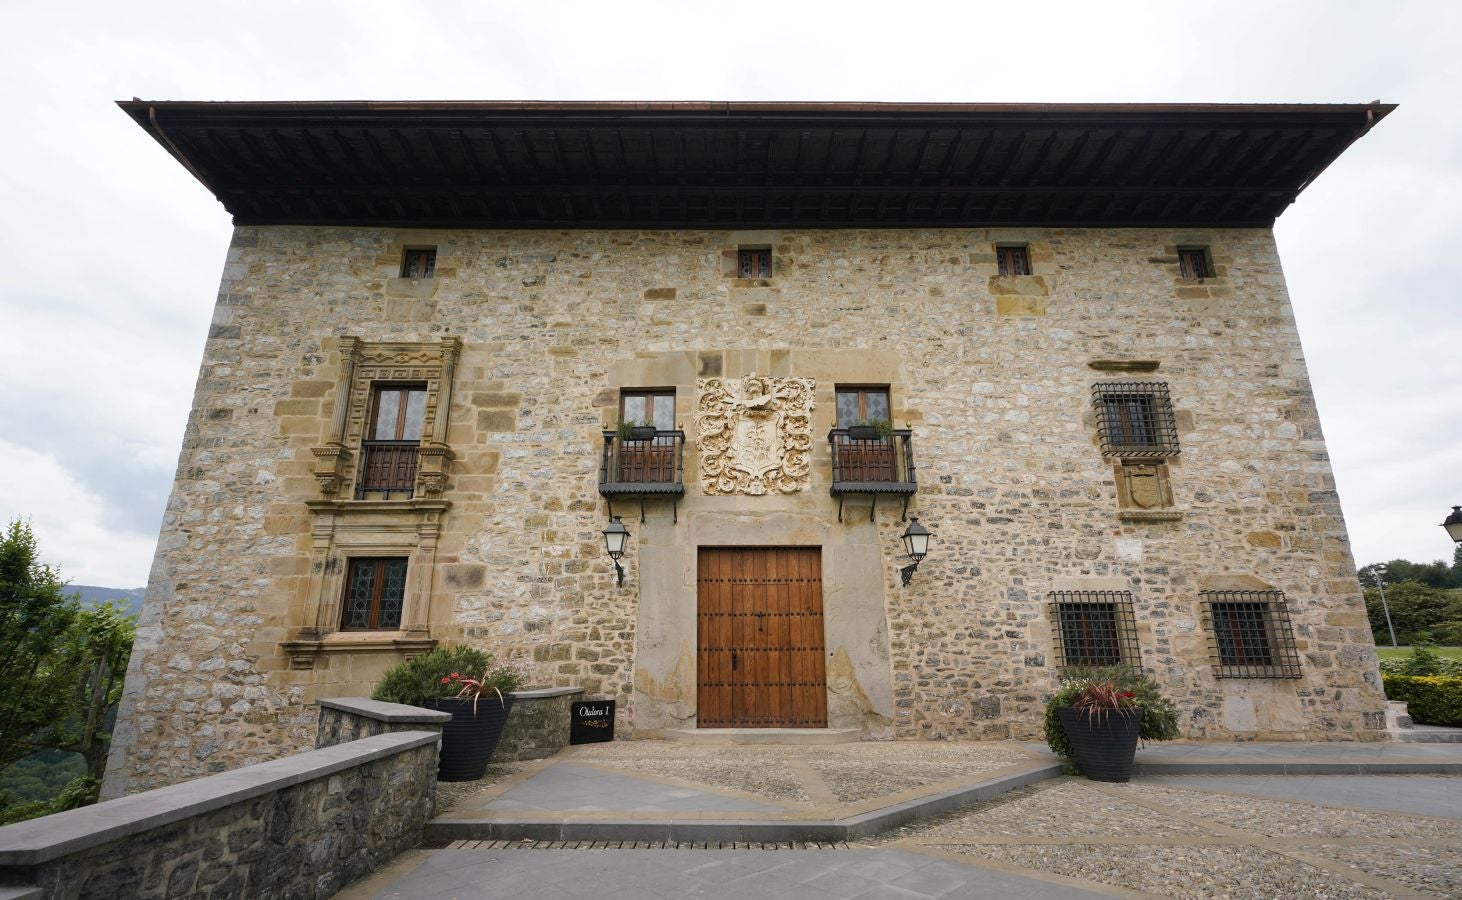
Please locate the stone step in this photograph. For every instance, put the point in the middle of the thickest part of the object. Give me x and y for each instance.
(1428, 734)
(778, 736)
(744, 827)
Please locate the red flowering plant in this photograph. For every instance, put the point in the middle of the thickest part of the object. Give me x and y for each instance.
(1101, 690)
(496, 679)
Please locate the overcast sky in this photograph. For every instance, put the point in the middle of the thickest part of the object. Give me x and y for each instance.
(111, 253)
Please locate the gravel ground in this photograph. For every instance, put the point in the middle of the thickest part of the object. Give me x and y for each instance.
(450, 793)
(852, 771)
(1286, 819)
(1433, 870)
(1059, 808)
(1204, 873)
(863, 776)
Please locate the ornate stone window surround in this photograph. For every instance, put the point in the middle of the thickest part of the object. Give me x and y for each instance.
(365, 364)
(344, 530)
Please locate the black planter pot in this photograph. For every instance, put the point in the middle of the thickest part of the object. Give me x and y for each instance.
(863, 433)
(469, 740)
(643, 433)
(1105, 743)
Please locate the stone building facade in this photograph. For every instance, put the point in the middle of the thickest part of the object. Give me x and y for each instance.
(1119, 456)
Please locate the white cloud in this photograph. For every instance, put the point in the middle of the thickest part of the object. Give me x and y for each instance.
(69, 522)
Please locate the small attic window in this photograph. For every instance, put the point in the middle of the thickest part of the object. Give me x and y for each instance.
(419, 262)
(1013, 259)
(1194, 264)
(754, 262)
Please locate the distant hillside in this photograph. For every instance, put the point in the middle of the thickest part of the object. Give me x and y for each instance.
(92, 595)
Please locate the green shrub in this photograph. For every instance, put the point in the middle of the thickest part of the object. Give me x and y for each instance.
(1430, 699)
(429, 676)
(1159, 715)
(1422, 660)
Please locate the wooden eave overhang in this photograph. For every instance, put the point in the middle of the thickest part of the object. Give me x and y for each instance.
(754, 165)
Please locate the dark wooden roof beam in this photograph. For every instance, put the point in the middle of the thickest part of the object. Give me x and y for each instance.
(877, 161)
(535, 173)
(950, 153)
(469, 153)
(1042, 153)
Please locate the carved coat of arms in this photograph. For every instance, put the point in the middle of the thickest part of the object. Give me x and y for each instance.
(755, 434)
(1144, 486)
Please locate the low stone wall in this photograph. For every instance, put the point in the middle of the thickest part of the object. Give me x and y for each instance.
(351, 718)
(538, 724)
(299, 827)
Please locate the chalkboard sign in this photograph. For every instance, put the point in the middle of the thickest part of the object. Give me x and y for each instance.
(591, 721)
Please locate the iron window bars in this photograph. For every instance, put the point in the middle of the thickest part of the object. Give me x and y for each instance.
(1252, 634)
(1135, 419)
(419, 262)
(1013, 260)
(754, 263)
(1193, 264)
(1095, 628)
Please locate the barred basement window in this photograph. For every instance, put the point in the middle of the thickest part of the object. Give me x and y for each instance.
(1095, 628)
(754, 263)
(1253, 636)
(1193, 263)
(374, 590)
(1013, 260)
(1135, 419)
(419, 262)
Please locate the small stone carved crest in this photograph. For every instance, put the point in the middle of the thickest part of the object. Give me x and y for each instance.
(1144, 486)
(755, 434)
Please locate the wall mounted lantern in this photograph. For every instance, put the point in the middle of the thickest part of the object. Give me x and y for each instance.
(916, 547)
(1453, 524)
(616, 537)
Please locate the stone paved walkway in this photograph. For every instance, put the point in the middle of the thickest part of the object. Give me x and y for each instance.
(1183, 835)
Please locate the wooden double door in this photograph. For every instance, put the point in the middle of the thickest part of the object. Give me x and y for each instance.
(760, 638)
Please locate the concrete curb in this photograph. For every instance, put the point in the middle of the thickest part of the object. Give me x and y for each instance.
(750, 830)
(1225, 767)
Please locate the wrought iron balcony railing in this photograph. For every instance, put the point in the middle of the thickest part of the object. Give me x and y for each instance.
(386, 468)
(878, 465)
(653, 467)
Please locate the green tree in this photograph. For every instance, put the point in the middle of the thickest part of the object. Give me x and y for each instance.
(61, 667)
(1437, 573)
(1415, 607)
(36, 623)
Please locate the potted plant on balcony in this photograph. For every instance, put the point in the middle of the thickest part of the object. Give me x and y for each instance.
(636, 431)
(1098, 715)
(870, 430)
(469, 684)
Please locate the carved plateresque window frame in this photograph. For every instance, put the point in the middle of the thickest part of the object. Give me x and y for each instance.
(363, 364)
(344, 528)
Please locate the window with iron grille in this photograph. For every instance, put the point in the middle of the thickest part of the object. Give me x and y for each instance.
(1095, 628)
(754, 263)
(1193, 263)
(374, 590)
(389, 451)
(1013, 259)
(1135, 419)
(419, 262)
(1252, 634)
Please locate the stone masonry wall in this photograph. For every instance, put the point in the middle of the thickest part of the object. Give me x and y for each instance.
(302, 827)
(993, 374)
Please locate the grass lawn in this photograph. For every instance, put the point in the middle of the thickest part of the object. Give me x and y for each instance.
(1399, 652)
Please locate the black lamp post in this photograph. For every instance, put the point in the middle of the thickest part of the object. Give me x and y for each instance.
(1453, 524)
(616, 537)
(916, 547)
